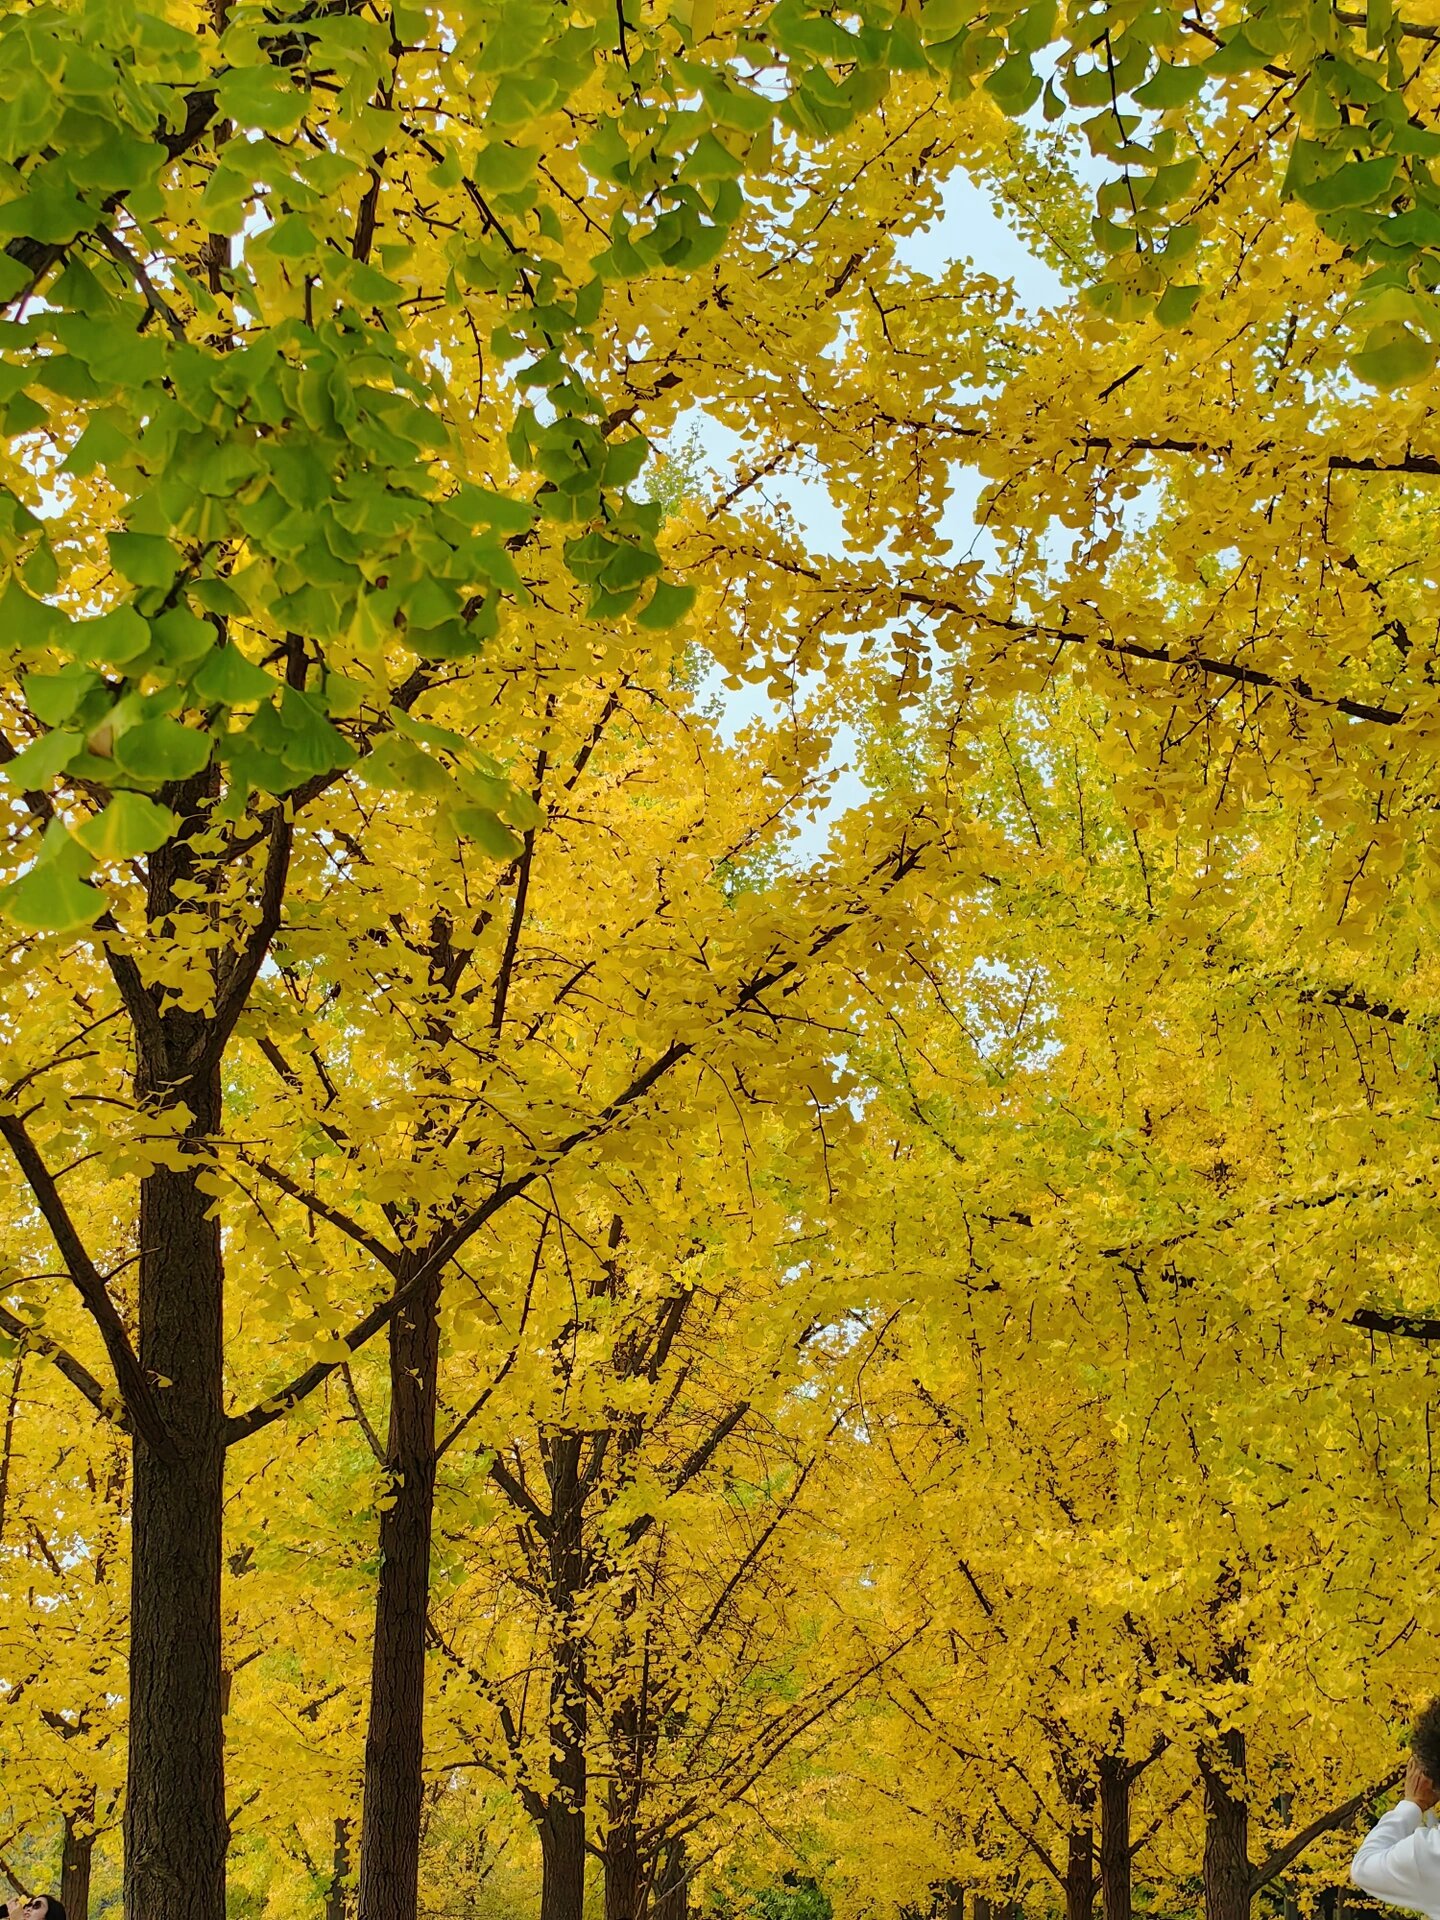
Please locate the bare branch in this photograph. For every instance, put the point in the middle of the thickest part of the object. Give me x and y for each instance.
(361, 1416)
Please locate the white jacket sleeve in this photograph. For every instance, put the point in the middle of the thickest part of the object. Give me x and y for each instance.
(1399, 1860)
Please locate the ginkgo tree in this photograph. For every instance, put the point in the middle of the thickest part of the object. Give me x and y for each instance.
(333, 338)
(1143, 1292)
(264, 489)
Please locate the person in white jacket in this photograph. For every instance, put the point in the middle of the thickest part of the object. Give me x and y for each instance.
(1399, 1859)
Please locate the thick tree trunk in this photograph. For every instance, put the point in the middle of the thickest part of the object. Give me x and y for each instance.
(1116, 1780)
(562, 1862)
(627, 1879)
(949, 1903)
(175, 1823)
(671, 1897)
(562, 1831)
(1227, 1830)
(1080, 1873)
(76, 1853)
(395, 1735)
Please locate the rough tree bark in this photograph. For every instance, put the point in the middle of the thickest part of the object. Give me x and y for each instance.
(1080, 1872)
(1227, 1870)
(175, 1824)
(76, 1854)
(562, 1830)
(671, 1899)
(627, 1878)
(1117, 1776)
(395, 1735)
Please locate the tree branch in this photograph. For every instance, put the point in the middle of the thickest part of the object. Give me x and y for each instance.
(1406, 1326)
(362, 1418)
(336, 1217)
(230, 1001)
(1269, 1869)
(696, 1464)
(38, 256)
(449, 1241)
(478, 1405)
(35, 1339)
(1294, 688)
(519, 1495)
(135, 1390)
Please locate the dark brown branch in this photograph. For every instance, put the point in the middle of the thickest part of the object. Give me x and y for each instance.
(506, 968)
(1407, 29)
(362, 1418)
(478, 1405)
(1405, 1326)
(230, 1001)
(1351, 1000)
(135, 1389)
(35, 1339)
(39, 256)
(519, 1495)
(1294, 688)
(696, 1464)
(387, 1257)
(1339, 1816)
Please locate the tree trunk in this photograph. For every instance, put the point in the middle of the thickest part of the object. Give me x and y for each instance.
(626, 1878)
(1227, 1830)
(1080, 1873)
(1115, 1784)
(949, 1902)
(395, 1735)
(76, 1853)
(175, 1822)
(562, 1831)
(671, 1899)
(340, 1872)
(562, 1857)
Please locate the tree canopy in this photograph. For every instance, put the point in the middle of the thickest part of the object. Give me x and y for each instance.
(717, 1061)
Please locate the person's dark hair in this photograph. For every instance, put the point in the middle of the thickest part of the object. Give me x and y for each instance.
(55, 1909)
(1425, 1741)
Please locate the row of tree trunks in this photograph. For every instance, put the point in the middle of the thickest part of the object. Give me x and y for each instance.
(1230, 1877)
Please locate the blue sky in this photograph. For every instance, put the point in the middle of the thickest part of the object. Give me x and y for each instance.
(969, 226)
